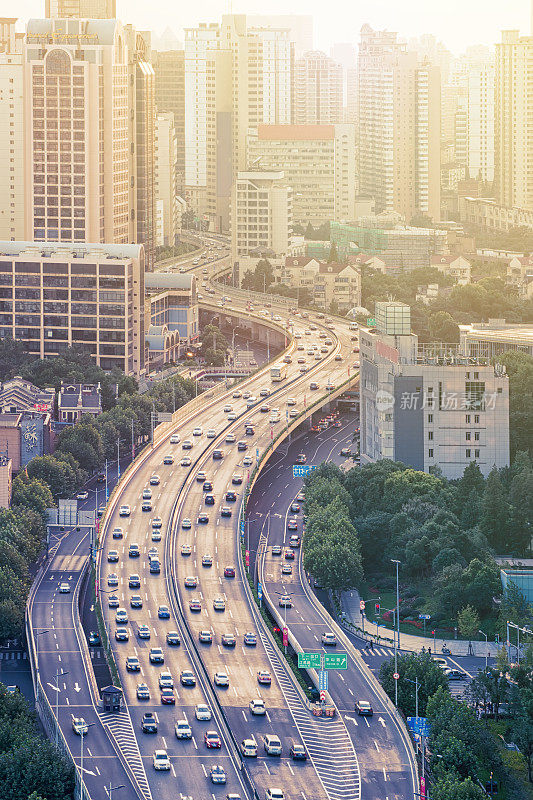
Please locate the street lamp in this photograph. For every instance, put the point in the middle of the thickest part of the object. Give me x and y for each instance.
(486, 647)
(285, 594)
(82, 736)
(110, 789)
(397, 633)
(417, 687)
(57, 690)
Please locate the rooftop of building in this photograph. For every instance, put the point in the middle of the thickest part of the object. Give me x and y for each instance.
(153, 281)
(55, 31)
(446, 259)
(299, 261)
(88, 395)
(295, 132)
(8, 420)
(327, 267)
(68, 250)
(499, 330)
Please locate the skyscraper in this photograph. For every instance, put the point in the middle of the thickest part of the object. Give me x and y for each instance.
(236, 77)
(399, 126)
(514, 120)
(169, 68)
(89, 9)
(318, 90)
(11, 132)
(165, 179)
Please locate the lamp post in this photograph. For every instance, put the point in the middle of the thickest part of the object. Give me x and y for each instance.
(417, 687)
(397, 633)
(486, 647)
(110, 789)
(395, 561)
(82, 736)
(62, 674)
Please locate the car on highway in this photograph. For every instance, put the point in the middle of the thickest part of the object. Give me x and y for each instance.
(211, 433)
(182, 729)
(264, 408)
(136, 601)
(242, 446)
(82, 496)
(286, 569)
(230, 496)
(249, 430)
(301, 458)
(165, 680)
(217, 775)
(168, 459)
(134, 550)
(236, 479)
(274, 794)
(203, 519)
(229, 572)
(195, 605)
(209, 499)
(263, 677)
(313, 385)
(225, 511)
(328, 639)
(143, 632)
(153, 553)
(112, 579)
(149, 722)
(79, 726)
(94, 639)
(117, 533)
(218, 455)
(221, 679)
(147, 494)
(155, 480)
(232, 417)
(247, 461)
(134, 582)
(205, 637)
(207, 560)
(156, 535)
(289, 555)
(250, 639)
(124, 511)
(229, 640)
(292, 525)
(207, 486)
(297, 751)
(212, 740)
(285, 601)
(186, 524)
(163, 612)
(197, 431)
(132, 664)
(294, 541)
(185, 462)
(121, 616)
(364, 708)
(230, 438)
(156, 655)
(112, 556)
(161, 760)
(295, 507)
(175, 438)
(455, 674)
(202, 712)
(257, 707)
(277, 549)
(237, 394)
(143, 692)
(264, 392)
(157, 522)
(272, 744)
(187, 444)
(191, 582)
(64, 588)
(113, 601)
(249, 748)
(168, 698)
(122, 635)
(186, 549)
(346, 451)
(173, 638)
(300, 497)
(227, 408)
(200, 476)
(219, 604)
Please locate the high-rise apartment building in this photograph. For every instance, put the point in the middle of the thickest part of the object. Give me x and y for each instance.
(299, 26)
(236, 77)
(318, 90)
(346, 55)
(318, 162)
(11, 132)
(261, 213)
(169, 68)
(165, 179)
(514, 120)
(81, 9)
(89, 137)
(399, 126)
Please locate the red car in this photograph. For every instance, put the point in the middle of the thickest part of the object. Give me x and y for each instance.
(195, 605)
(167, 697)
(289, 555)
(264, 678)
(212, 740)
(229, 572)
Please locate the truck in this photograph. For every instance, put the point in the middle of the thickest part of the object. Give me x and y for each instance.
(278, 373)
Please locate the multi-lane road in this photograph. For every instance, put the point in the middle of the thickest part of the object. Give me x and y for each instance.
(348, 758)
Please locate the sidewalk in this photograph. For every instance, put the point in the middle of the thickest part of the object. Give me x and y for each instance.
(414, 643)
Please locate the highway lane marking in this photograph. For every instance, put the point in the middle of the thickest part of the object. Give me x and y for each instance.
(376, 745)
(290, 768)
(173, 770)
(384, 774)
(205, 771)
(266, 767)
(194, 743)
(367, 722)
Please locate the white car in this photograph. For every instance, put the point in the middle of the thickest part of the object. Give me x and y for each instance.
(174, 439)
(64, 588)
(125, 511)
(257, 707)
(202, 712)
(249, 748)
(82, 496)
(211, 433)
(197, 432)
(221, 679)
(166, 681)
(161, 760)
(182, 729)
(219, 604)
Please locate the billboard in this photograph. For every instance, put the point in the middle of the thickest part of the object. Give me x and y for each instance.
(31, 439)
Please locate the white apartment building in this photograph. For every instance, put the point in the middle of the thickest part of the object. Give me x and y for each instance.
(457, 267)
(318, 90)
(236, 76)
(427, 405)
(165, 178)
(319, 165)
(327, 283)
(261, 211)
(87, 9)
(514, 120)
(399, 126)
(11, 132)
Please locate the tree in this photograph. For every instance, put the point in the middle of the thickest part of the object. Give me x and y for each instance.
(59, 474)
(519, 367)
(489, 689)
(453, 788)
(31, 493)
(521, 516)
(495, 512)
(13, 353)
(443, 327)
(413, 667)
(332, 552)
(84, 443)
(468, 623)
(333, 256)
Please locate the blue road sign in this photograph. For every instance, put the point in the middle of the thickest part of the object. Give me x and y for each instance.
(424, 616)
(323, 680)
(260, 591)
(419, 726)
(301, 470)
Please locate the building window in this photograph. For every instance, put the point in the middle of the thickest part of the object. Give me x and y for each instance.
(430, 453)
(476, 453)
(430, 436)
(467, 419)
(468, 436)
(430, 418)
(468, 452)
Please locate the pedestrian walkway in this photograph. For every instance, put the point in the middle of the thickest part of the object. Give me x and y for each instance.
(12, 655)
(351, 618)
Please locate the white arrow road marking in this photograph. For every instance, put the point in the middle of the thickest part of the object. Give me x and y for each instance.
(89, 771)
(77, 687)
(51, 685)
(380, 719)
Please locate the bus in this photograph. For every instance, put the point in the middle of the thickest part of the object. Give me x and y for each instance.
(278, 373)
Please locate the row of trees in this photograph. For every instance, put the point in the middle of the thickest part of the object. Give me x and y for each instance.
(30, 766)
(463, 749)
(444, 532)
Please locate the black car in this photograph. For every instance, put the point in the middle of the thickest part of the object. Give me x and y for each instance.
(94, 639)
(217, 455)
(241, 446)
(231, 496)
(209, 499)
(149, 723)
(173, 638)
(208, 486)
(203, 519)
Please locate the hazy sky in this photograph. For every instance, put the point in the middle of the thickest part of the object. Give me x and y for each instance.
(457, 22)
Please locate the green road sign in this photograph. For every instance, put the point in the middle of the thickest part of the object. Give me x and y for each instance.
(309, 660)
(371, 322)
(336, 660)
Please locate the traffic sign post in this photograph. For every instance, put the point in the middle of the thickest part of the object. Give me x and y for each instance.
(396, 676)
(336, 661)
(301, 470)
(323, 680)
(424, 617)
(260, 593)
(309, 661)
(247, 561)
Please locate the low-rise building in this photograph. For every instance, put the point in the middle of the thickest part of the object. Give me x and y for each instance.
(428, 405)
(76, 399)
(487, 213)
(24, 435)
(171, 316)
(18, 394)
(327, 283)
(456, 267)
(520, 274)
(487, 340)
